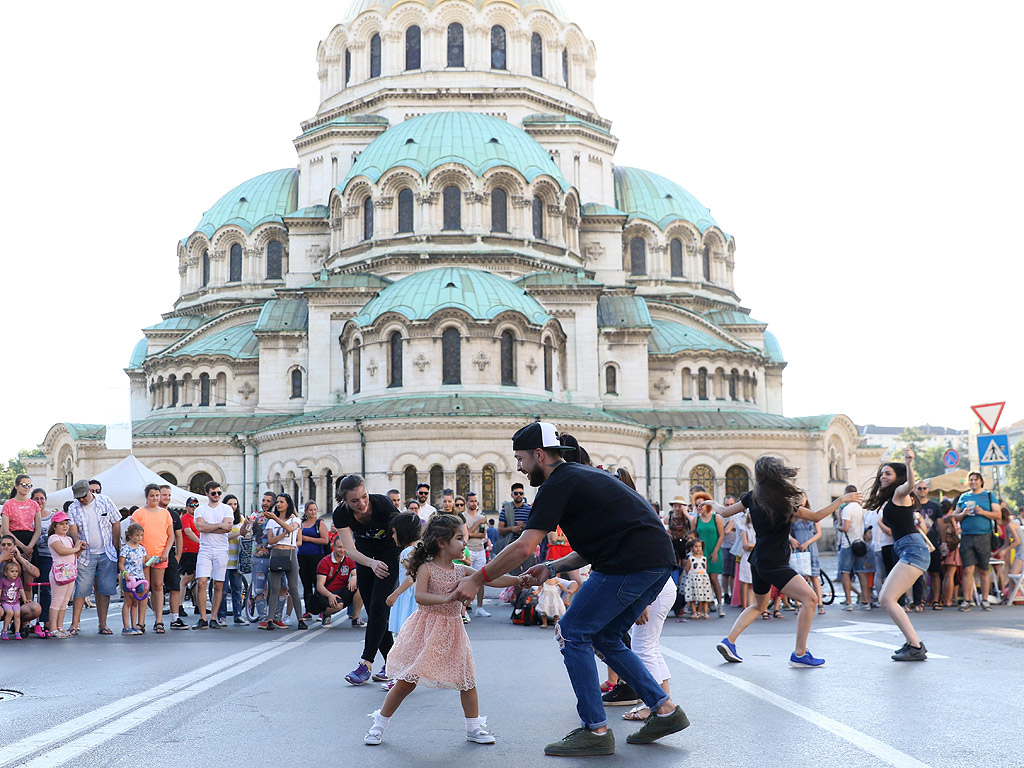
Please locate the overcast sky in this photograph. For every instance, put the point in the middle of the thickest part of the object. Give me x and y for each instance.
(866, 157)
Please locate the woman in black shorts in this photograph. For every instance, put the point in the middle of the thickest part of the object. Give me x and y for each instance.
(772, 505)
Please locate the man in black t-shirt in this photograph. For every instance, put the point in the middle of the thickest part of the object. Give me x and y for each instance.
(612, 527)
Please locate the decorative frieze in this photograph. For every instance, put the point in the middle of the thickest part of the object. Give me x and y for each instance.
(421, 362)
(481, 361)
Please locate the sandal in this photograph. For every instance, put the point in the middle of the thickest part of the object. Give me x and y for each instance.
(141, 628)
(60, 633)
(159, 627)
(765, 615)
(73, 632)
(937, 607)
(918, 608)
(634, 713)
(777, 615)
(105, 631)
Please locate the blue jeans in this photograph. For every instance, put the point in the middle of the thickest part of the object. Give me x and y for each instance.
(232, 580)
(602, 611)
(260, 577)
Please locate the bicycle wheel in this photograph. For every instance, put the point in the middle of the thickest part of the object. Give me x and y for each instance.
(828, 592)
(251, 615)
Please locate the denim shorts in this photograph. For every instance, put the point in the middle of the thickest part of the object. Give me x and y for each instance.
(850, 563)
(101, 573)
(912, 550)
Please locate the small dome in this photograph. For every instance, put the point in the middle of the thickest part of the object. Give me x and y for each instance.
(261, 199)
(482, 295)
(668, 337)
(772, 350)
(646, 195)
(479, 142)
(526, 6)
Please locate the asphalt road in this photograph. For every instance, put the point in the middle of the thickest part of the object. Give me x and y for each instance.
(243, 697)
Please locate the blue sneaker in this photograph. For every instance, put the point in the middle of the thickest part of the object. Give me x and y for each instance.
(728, 651)
(804, 661)
(359, 676)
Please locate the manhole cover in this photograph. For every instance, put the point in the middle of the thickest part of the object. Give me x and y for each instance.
(6, 694)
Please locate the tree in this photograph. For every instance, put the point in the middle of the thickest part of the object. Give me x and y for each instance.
(1013, 486)
(928, 461)
(12, 469)
(911, 437)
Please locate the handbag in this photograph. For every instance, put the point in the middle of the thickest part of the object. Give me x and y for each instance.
(280, 560)
(244, 556)
(801, 562)
(858, 547)
(64, 573)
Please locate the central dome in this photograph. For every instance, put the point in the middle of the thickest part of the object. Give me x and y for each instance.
(481, 295)
(479, 142)
(383, 6)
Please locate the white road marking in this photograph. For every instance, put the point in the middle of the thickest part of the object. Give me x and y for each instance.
(879, 749)
(854, 629)
(117, 717)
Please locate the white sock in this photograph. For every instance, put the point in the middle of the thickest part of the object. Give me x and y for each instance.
(473, 722)
(380, 721)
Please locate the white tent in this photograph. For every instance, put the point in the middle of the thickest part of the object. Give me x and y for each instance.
(123, 483)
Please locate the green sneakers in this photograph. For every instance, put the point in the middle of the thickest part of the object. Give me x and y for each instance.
(584, 743)
(655, 727)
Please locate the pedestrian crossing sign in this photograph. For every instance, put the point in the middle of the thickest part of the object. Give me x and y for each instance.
(994, 450)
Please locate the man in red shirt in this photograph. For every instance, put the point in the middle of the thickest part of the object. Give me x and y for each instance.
(335, 583)
(189, 552)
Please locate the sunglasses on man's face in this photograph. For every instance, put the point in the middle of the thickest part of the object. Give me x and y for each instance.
(214, 493)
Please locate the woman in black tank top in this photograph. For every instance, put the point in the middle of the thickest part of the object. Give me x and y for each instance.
(892, 492)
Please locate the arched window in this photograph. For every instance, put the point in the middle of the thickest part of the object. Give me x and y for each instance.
(565, 67)
(405, 210)
(375, 56)
(734, 384)
(637, 256)
(395, 360)
(508, 359)
(296, 383)
(462, 480)
(452, 208)
(173, 382)
(748, 393)
(737, 481)
(706, 259)
(348, 65)
(220, 389)
(536, 55)
(456, 45)
(549, 359)
(170, 477)
(206, 268)
(412, 48)
(275, 259)
(329, 488)
(497, 47)
(538, 218)
(675, 257)
(357, 370)
(197, 485)
(436, 484)
(235, 264)
(488, 488)
(703, 475)
(204, 389)
(702, 384)
(499, 210)
(451, 356)
(687, 383)
(611, 386)
(368, 219)
(411, 480)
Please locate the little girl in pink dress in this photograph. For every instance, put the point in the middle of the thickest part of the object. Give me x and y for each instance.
(432, 647)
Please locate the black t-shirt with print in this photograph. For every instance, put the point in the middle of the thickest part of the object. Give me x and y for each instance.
(373, 538)
(609, 524)
(771, 545)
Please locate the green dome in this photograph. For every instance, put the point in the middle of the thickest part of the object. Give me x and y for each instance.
(772, 350)
(479, 142)
(482, 295)
(668, 337)
(265, 198)
(383, 6)
(646, 195)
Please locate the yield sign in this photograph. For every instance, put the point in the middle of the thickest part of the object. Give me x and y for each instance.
(989, 414)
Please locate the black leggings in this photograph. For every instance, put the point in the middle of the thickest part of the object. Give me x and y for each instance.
(374, 592)
(307, 574)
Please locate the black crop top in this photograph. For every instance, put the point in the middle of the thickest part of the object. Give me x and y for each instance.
(899, 519)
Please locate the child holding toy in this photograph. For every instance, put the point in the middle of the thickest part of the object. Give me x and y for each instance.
(132, 563)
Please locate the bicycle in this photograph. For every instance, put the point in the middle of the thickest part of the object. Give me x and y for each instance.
(828, 592)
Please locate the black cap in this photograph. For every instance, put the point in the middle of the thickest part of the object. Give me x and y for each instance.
(539, 434)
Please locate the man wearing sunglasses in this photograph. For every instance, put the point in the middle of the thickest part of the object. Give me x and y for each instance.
(214, 521)
(427, 510)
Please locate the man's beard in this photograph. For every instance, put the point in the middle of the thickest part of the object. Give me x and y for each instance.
(536, 476)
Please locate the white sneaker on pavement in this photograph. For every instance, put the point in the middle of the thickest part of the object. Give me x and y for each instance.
(481, 612)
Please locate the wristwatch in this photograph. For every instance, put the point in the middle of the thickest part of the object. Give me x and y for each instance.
(550, 564)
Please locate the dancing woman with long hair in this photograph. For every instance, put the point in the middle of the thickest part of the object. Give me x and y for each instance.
(893, 493)
(773, 504)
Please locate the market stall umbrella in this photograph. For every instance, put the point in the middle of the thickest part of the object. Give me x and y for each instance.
(948, 484)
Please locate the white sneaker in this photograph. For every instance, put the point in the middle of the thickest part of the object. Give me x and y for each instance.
(374, 736)
(481, 612)
(480, 734)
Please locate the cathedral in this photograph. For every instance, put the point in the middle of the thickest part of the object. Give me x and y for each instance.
(456, 253)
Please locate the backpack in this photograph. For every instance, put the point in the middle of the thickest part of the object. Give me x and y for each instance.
(525, 610)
